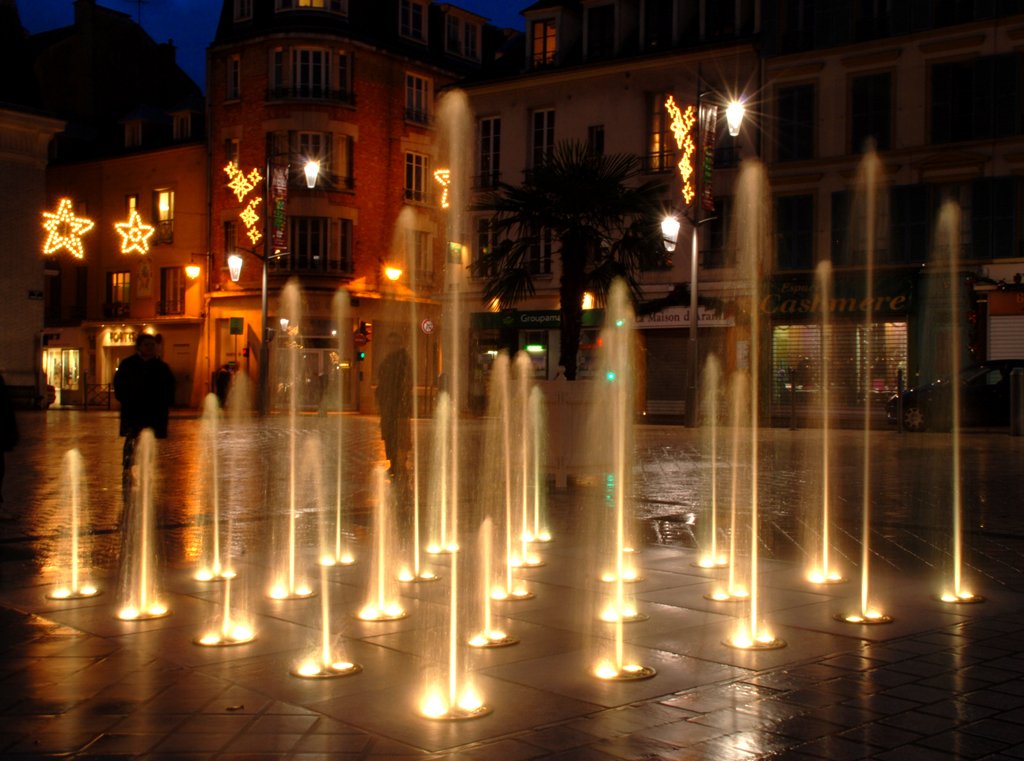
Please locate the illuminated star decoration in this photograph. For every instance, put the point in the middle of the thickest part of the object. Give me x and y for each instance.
(134, 234)
(240, 183)
(65, 229)
(444, 178)
(682, 130)
(250, 219)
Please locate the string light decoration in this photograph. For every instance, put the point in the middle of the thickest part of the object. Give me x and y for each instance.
(682, 126)
(242, 184)
(65, 230)
(444, 178)
(134, 234)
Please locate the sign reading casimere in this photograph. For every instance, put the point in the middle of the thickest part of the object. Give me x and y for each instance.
(796, 298)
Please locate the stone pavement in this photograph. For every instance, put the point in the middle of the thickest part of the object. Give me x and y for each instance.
(940, 681)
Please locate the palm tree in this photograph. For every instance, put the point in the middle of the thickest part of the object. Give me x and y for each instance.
(603, 218)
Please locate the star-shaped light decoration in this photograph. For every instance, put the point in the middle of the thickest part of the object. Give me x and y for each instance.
(444, 178)
(65, 230)
(240, 183)
(134, 234)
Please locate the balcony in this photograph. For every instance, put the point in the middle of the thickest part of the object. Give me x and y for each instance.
(324, 94)
(116, 310)
(164, 231)
(171, 307)
(417, 117)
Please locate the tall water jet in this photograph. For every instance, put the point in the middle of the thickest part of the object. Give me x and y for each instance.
(73, 582)
(734, 590)
(488, 635)
(232, 623)
(339, 552)
(712, 557)
(822, 571)
(287, 581)
(541, 532)
(752, 244)
(615, 406)
(382, 600)
(212, 565)
(508, 588)
(140, 595)
(865, 212)
(948, 237)
(525, 557)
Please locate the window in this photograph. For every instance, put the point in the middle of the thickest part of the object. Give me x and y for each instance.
(231, 150)
(539, 260)
(417, 99)
(133, 134)
(317, 245)
(343, 74)
(182, 126)
(490, 151)
(412, 19)
(542, 135)
(172, 290)
(131, 203)
(795, 119)
(118, 294)
(600, 31)
(658, 24)
(309, 72)
(976, 99)
(909, 233)
(243, 10)
(485, 242)
(461, 37)
(794, 231)
(163, 213)
(234, 74)
(308, 146)
(334, 6)
(341, 162)
(660, 148)
(994, 203)
(870, 111)
(595, 138)
(415, 177)
(716, 254)
(544, 42)
(418, 250)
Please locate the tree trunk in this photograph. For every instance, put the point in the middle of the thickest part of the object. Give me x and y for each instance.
(571, 295)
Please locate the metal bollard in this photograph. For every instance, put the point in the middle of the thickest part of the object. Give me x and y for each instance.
(899, 400)
(1017, 401)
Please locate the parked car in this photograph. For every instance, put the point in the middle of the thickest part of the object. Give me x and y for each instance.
(984, 398)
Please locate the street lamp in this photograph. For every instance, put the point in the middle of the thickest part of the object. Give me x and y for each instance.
(311, 170)
(670, 225)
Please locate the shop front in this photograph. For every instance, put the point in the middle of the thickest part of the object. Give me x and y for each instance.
(855, 342)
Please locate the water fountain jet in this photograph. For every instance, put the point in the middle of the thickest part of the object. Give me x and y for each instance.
(75, 586)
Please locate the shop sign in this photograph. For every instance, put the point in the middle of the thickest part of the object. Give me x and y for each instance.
(119, 337)
(1005, 302)
(532, 320)
(679, 317)
(800, 298)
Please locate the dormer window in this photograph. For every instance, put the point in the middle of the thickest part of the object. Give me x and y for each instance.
(183, 126)
(543, 42)
(243, 10)
(462, 37)
(133, 133)
(412, 19)
(332, 6)
(600, 31)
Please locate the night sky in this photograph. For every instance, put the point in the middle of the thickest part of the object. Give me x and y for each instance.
(192, 23)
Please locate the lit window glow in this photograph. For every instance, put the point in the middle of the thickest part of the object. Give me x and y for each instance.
(134, 234)
(65, 230)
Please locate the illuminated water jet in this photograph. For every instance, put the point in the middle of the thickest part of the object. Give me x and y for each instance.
(74, 583)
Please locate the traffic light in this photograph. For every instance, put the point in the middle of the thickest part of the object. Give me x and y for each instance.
(360, 355)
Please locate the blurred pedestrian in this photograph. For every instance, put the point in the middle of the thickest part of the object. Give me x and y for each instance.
(394, 400)
(8, 440)
(144, 385)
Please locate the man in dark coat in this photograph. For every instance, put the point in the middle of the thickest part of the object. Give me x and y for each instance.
(394, 400)
(144, 385)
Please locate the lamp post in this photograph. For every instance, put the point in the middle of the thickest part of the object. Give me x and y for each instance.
(670, 233)
(311, 170)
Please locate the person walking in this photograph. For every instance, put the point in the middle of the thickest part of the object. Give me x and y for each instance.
(394, 400)
(144, 386)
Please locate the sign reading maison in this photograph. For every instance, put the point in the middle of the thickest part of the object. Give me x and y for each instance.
(679, 317)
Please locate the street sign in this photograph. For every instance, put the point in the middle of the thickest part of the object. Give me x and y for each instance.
(235, 327)
(427, 326)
